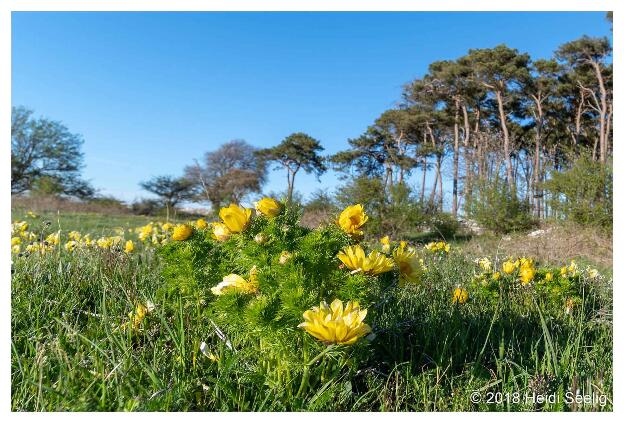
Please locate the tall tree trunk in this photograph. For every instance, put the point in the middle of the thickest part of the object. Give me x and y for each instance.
(424, 180)
(603, 112)
(291, 185)
(439, 178)
(467, 157)
(503, 122)
(433, 191)
(537, 159)
(608, 131)
(455, 158)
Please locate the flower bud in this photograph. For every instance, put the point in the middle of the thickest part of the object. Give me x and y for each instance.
(260, 238)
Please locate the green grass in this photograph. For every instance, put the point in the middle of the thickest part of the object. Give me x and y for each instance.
(428, 354)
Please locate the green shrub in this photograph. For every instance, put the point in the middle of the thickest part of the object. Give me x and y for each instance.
(265, 323)
(583, 193)
(496, 207)
(393, 211)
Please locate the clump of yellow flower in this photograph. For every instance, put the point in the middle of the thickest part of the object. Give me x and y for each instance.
(352, 219)
(54, 238)
(201, 223)
(410, 269)
(355, 259)
(268, 207)
(19, 226)
(484, 263)
(460, 296)
(439, 246)
(335, 323)
(74, 236)
(182, 232)
(145, 231)
(236, 218)
(234, 282)
(105, 242)
(592, 273)
(16, 240)
(71, 245)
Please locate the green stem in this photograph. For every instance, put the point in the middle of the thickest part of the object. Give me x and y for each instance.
(306, 371)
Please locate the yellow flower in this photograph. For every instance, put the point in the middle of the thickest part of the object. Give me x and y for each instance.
(355, 259)
(438, 246)
(74, 235)
(129, 246)
(167, 227)
(573, 268)
(54, 238)
(220, 232)
(527, 273)
(385, 244)
(336, 324)
(268, 207)
(548, 277)
(408, 263)
(592, 273)
(16, 241)
(284, 257)
(485, 264)
(19, 226)
(71, 245)
(201, 224)
(235, 218)
(509, 267)
(138, 315)
(234, 282)
(564, 272)
(145, 231)
(460, 295)
(15, 249)
(31, 214)
(181, 232)
(105, 242)
(352, 219)
(496, 276)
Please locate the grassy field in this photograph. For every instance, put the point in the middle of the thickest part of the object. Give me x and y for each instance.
(71, 350)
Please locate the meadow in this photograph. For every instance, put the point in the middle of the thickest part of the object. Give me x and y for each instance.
(220, 317)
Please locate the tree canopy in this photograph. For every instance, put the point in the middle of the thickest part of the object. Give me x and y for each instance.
(297, 151)
(229, 173)
(45, 152)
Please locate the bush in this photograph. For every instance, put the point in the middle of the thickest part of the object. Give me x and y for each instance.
(146, 207)
(264, 322)
(393, 211)
(583, 193)
(497, 208)
(321, 208)
(443, 225)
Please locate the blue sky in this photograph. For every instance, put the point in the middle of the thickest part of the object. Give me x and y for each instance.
(150, 92)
